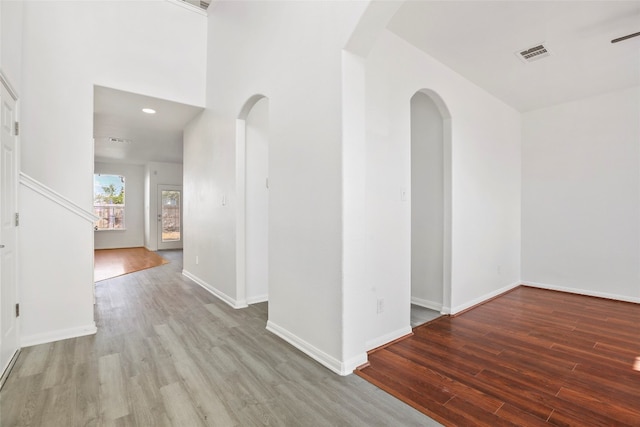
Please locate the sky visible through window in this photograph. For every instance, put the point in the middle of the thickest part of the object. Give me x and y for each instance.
(105, 186)
(108, 201)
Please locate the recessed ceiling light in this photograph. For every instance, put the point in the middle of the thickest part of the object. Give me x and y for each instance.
(149, 110)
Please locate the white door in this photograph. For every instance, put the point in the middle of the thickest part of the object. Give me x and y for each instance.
(169, 217)
(8, 197)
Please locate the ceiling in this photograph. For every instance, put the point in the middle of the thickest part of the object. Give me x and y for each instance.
(123, 133)
(479, 39)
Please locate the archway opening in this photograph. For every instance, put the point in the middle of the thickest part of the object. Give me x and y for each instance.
(430, 207)
(253, 192)
(257, 202)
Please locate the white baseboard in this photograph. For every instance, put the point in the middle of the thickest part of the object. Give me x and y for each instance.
(6, 370)
(116, 246)
(215, 292)
(257, 299)
(583, 292)
(62, 334)
(483, 298)
(330, 362)
(387, 338)
(431, 305)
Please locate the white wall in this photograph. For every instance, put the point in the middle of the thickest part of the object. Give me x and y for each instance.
(209, 224)
(11, 24)
(291, 53)
(257, 202)
(427, 202)
(133, 235)
(356, 293)
(252, 51)
(485, 180)
(70, 46)
(154, 48)
(155, 174)
(580, 196)
(54, 244)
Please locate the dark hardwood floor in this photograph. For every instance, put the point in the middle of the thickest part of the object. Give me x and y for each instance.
(530, 357)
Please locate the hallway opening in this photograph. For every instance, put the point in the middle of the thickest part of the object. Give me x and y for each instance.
(430, 196)
(253, 192)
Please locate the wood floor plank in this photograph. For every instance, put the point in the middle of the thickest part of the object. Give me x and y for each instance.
(26, 409)
(112, 387)
(610, 411)
(59, 365)
(59, 406)
(35, 362)
(316, 413)
(423, 379)
(551, 358)
(87, 404)
(392, 386)
(203, 393)
(418, 383)
(500, 391)
(146, 402)
(520, 417)
(475, 415)
(456, 360)
(179, 407)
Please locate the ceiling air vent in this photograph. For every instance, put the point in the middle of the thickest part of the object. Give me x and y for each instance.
(119, 140)
(533, 53)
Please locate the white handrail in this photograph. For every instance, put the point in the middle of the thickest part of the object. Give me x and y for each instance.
(56, 197)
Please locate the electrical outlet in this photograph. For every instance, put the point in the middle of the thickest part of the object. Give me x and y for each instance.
(380, 306)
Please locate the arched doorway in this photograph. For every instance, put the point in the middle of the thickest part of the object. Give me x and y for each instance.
(430, 207)
(252, 237)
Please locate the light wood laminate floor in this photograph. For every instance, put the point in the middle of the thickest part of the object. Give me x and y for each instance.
(109, 263)
(169, 353)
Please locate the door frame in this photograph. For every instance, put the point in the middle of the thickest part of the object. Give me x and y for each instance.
(178, 244)
(5, 82)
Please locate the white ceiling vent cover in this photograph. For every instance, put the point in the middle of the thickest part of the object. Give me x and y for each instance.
(115, 140)
(533, 53)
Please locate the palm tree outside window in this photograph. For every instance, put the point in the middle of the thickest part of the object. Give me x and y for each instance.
(108, 201)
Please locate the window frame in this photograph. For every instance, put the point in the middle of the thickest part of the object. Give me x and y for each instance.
(116, 212)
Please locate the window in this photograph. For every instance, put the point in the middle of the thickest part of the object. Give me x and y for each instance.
(170, 216)
(108, 201)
